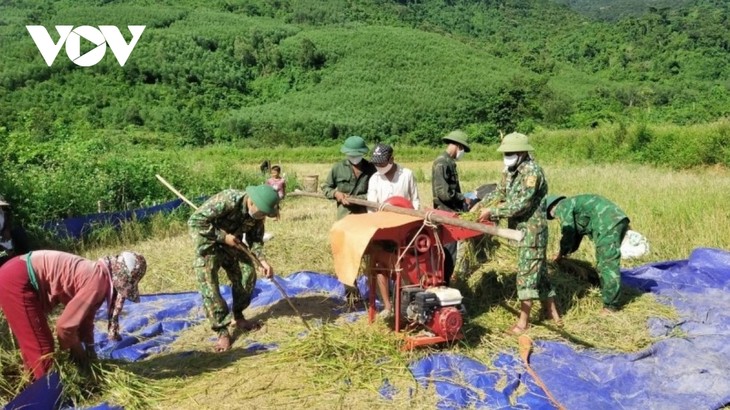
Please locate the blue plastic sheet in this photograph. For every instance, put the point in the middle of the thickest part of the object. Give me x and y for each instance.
(149, 326)
(77, 227)
(691, 372)
(674, 373)
(42, 394)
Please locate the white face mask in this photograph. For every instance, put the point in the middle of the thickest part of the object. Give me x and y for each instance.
(354, 160)
(384, 170)
(511, 160)
(459, 154)
(258, 215)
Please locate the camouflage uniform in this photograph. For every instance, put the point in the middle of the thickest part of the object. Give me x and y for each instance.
(225, 212)
(341, 178)
(521, 198)
(606, 224)
(445, 185)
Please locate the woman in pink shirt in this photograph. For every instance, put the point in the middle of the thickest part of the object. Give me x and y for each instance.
(31, 285)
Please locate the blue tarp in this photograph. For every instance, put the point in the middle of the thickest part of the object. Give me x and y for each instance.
(150, 326)
(77, 227)
(692, 371)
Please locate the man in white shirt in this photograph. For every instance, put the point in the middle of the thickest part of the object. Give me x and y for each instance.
(390, 180)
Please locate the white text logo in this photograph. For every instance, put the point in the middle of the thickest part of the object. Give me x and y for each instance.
(72, 38)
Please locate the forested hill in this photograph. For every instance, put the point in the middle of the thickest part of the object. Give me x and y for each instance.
(311, 71)
(616, 9)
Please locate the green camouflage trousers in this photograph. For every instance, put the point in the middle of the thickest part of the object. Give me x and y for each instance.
(608, 262)
(532, 279)
(242, 275)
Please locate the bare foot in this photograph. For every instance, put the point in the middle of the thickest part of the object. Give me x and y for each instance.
(248, 325)
(223, 344)
(607, 312)
(516, 330)
(546, 314)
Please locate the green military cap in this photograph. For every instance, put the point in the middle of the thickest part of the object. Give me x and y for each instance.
(459, 137)
(354, 146)
(552, 200)
(515, 142)
(265, 198)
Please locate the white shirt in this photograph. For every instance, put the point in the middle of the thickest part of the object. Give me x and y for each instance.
(403, 184)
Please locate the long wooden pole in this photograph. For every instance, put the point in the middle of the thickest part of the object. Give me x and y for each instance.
(241, 248)
(474, 226)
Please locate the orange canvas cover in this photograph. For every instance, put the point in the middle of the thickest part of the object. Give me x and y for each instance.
(351, 235)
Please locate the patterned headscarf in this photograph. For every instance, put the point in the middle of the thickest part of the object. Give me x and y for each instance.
(127, 269)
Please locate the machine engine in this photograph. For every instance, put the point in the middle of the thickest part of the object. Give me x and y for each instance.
(439, 309)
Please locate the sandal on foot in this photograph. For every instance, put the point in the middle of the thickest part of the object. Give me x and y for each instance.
(516, 330)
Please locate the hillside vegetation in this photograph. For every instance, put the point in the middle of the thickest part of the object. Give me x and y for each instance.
(302, 72)
(262, 73)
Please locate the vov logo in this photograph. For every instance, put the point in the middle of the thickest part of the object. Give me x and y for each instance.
(72, 38)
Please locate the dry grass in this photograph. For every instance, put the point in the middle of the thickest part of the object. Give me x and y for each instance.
(337, 365)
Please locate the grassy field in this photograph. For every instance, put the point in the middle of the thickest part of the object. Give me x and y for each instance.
(334, 366)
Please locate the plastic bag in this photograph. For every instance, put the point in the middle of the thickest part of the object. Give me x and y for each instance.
(634, 245)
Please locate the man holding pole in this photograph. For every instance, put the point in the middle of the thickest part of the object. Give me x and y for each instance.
(521, 199)
(217, 228)
(446, 188)
(349, 177)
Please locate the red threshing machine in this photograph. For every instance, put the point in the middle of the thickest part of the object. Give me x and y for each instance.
(407, 246)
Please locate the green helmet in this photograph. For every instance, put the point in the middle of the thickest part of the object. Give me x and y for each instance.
(265, 198)
(552, 200)
(515, 142)
(459, 137)
(354, 146)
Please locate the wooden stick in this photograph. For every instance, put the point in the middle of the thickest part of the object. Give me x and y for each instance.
(243, 248)
(525, 344)
(474, 226)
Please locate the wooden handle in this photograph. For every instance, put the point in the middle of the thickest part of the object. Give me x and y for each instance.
(506, 233)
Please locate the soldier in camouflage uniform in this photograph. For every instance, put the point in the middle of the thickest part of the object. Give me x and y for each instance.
(606, 224)
(520, 198)
(446, 188)
(217, 229)
(349, 177)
